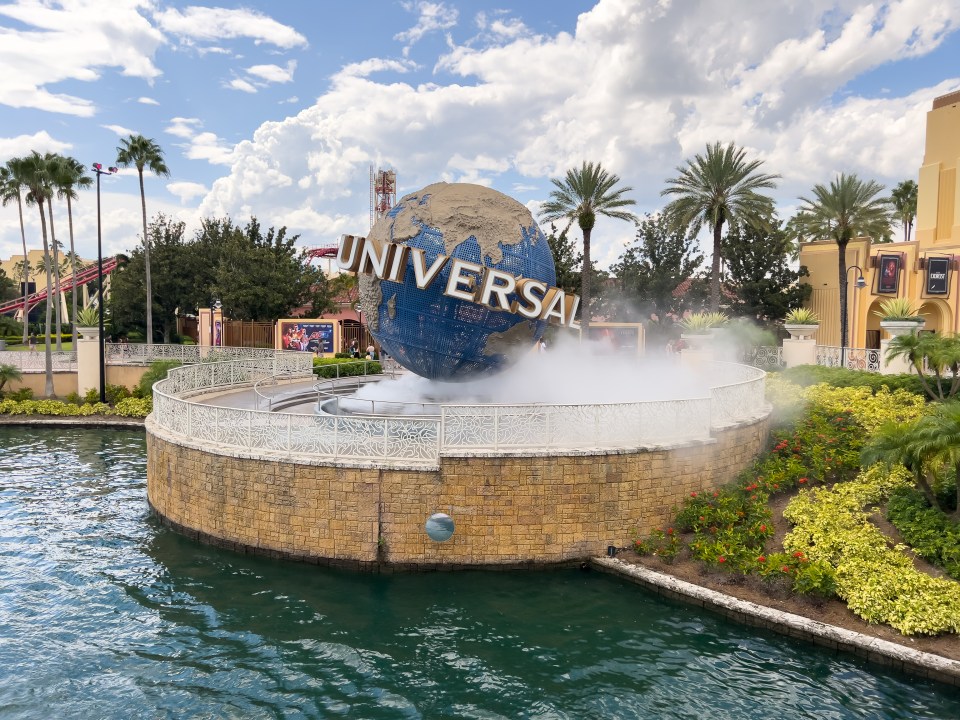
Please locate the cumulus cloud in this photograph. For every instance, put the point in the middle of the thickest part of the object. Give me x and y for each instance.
(432, 17)
(634, 87)
(41, 141)
(369, 66)
(242, 85)
(200, 145)
(273, 73)
(120, 130)
(187, 191)
(214, 23)
(147, 101)
(72, 41)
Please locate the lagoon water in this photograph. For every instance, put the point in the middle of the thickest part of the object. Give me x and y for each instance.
(105, 614)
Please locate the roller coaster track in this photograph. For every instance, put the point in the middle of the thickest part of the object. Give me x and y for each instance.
(69, 282)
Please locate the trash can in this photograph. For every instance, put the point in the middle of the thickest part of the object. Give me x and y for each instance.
(3, 343)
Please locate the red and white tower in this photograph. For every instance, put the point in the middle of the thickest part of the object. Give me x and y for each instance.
(383, 193)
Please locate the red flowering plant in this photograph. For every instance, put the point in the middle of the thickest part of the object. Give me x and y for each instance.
(822, 447)
(663, 543)
(807, 577)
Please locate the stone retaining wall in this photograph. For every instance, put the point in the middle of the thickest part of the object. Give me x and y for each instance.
(509, 510)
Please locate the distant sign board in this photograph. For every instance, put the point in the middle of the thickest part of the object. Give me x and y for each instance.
(311, 336)
(938, 273)
(889, 274)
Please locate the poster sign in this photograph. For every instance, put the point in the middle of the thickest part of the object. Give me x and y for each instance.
(889, 274)
(311, 336)
(937, 274)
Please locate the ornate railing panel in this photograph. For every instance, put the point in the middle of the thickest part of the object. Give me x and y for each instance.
(141, 354)
(765, 357)
(851, 358)
(33, 360)
(737, 395)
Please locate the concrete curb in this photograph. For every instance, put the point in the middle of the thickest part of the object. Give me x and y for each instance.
(86, 421)
(875, 650)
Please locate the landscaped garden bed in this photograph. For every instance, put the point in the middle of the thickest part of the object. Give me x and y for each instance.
(805, 529)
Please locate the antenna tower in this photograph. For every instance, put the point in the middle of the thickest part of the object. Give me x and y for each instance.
(383, 193)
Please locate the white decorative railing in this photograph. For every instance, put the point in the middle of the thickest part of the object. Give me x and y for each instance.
(851, 358)
(34, 360)
(738, 394)
(142, 354)
(765, 357)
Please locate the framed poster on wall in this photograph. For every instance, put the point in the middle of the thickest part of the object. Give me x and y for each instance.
(312, 336)
(938, 269)
(889, 281)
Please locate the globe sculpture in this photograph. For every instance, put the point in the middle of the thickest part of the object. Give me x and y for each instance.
(447, 338)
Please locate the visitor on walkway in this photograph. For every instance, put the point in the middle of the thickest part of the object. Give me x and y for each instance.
(32, 342)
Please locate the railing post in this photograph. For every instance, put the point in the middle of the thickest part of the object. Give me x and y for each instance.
(289, 433)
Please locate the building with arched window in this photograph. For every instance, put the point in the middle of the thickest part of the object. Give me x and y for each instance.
(924, 269)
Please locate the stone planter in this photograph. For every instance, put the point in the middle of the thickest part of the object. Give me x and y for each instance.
(88, 332)
(801, 332)
(896, 328)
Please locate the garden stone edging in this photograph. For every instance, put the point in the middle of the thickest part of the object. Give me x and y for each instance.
(882, 652)
(92, 421)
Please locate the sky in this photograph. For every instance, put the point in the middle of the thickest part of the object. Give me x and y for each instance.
(278, 109)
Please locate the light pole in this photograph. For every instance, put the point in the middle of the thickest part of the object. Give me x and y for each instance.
(98, 169)
(859, 285)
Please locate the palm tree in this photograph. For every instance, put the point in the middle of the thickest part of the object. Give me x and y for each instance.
(71, 175)
(36, 173)
(896, 443)
(937, 439)
(582, 195)
(12, 186)
(53, 167)
(848, 208)
(904, 201)
(143, 153)
(716, 188)
(933, 353)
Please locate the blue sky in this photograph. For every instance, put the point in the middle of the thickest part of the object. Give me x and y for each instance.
(278, 108)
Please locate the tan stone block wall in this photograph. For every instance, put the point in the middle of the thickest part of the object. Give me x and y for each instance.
(507, 510)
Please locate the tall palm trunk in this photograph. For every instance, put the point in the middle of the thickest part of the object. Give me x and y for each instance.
(26, 274)
(715, 265)
(56, 275)
(585, 311)
(47, 356)
(73, 271)
(146, 262)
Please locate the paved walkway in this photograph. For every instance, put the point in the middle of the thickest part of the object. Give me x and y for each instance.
(272, 395)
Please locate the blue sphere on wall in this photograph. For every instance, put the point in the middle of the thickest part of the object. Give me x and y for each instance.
(447, 338)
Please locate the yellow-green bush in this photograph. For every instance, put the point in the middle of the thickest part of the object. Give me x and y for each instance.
(869, 409)
(134, 407)
(50, 407)
(879, 583)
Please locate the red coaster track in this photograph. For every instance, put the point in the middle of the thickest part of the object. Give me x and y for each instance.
(69, 282)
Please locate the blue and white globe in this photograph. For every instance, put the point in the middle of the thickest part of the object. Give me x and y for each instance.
(444, 338)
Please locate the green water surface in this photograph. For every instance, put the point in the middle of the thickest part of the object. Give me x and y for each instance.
(104, 614)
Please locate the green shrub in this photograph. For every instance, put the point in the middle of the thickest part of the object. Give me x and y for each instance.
(73, 398)
(134, 407)
(23, 393)
(345, 367)
(805, 375)
(116, 393)
(931, 534)
(155, 373)
(91, 396)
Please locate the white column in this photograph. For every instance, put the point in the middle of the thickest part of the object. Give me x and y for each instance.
(799, 351)
(88, 360)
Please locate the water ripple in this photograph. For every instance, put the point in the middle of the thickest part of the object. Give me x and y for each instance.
(104, 614)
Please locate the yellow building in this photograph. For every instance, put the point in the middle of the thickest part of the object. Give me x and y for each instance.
(924, 269)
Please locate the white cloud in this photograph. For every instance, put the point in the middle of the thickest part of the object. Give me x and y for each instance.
(273, 73)
(25, 144)
(290, 100)
(241, 84)
(120, 130)
(183, 127)
(433, 16)
(214, 23)
(369, 66)
(187, 191)
(71, 41)
(634, 87)
(147, 101)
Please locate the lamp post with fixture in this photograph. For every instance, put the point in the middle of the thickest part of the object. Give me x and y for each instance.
(859, 285)
(98, 169)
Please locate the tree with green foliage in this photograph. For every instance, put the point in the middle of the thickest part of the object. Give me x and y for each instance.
(13, 186)
(938, 354)
(69, 175)
(649, 271)
(567, 261)
(144, 153)
(36, 175)
(904, 201)
(848, 208)
(717, 188)
(579, 197)
(8, 373)
(758, 271)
